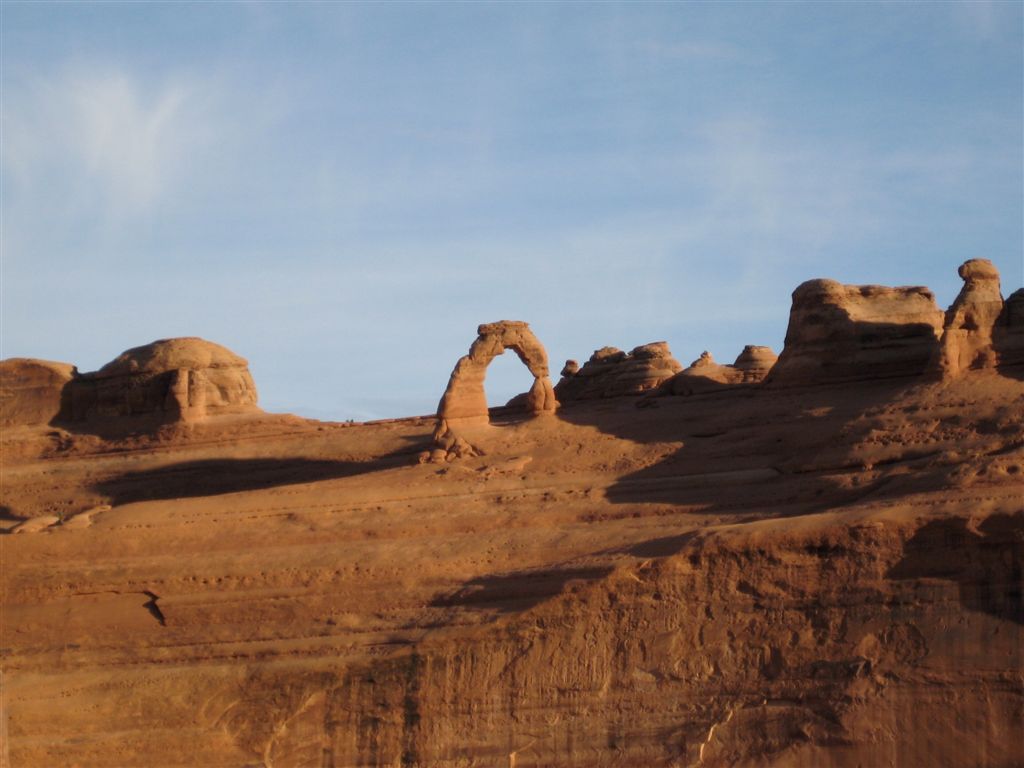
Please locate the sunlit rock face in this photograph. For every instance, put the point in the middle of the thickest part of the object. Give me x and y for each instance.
(465, 400)
(610, 372)
(853, 332)
(967, 334)
(31, 390)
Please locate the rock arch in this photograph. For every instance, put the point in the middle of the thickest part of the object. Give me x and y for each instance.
(465, 400)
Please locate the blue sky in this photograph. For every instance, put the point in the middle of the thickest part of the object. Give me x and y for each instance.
(341, 193)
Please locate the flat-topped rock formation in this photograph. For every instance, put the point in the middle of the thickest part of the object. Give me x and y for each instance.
(854, 332)
(169, 381)
(31, 390)
(610, 372)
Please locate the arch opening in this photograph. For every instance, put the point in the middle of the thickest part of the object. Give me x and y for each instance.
(507, 383)
(465, 398)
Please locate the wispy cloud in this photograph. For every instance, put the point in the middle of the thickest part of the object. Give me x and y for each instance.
(104, 140)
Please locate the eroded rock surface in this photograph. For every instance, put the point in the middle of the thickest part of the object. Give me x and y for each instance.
(465, 399)
(1008, 336)
(610, 372)
(855, 332)
(967, 336)
(704, 374)
(762, 576)
(31, 390)
(183, 379)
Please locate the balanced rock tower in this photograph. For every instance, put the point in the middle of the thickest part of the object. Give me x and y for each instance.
(967, 337)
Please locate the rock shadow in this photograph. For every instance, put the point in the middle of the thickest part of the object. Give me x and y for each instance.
(987, 564)
(517, 591)
(664, 546)
(745, 448)
(214, 477)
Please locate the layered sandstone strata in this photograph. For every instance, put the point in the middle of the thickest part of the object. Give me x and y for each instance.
(168, 381)
(31, 390)
(854, 332)
(1008, 335)
(610, 372)
(180, 379)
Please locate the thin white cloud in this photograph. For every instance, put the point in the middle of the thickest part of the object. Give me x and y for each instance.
(103, 142)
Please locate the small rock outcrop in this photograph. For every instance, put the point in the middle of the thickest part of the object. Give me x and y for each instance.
(465, 399)
(610, 372)
(967, 336)
(705, 375)
(170, 380)
(842, 333)
(755, 363)
(31, 390)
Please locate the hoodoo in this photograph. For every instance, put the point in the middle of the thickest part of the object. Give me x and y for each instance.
(971, 320)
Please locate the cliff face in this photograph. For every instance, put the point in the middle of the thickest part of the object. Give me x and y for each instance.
(31, 390)
(768, 574)
(1008, 335)
(849, 332)
(815, 648)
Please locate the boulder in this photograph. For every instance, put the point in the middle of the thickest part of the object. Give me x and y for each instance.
(842, 333)
(31, 391)
(610, 372)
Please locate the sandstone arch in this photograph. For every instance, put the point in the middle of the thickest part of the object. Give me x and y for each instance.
(465, 400)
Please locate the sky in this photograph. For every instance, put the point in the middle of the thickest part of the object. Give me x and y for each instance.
(342, 192)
